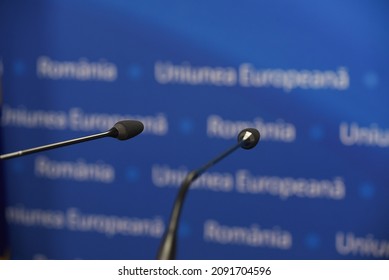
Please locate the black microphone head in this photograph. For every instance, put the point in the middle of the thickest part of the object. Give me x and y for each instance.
(249, 138)
(127, 129)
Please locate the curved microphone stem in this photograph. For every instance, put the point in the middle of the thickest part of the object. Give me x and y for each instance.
(111, 133)
(167, 249)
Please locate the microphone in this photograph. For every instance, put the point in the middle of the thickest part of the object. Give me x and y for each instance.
(122, 130)
(247, 139)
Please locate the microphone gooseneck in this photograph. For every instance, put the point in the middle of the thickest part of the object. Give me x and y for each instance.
(247, 139)
(122, 130)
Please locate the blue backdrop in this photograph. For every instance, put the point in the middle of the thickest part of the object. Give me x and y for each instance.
(312, 76)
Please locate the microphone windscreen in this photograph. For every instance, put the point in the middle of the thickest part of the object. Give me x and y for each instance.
(127, 129)
(249, 138)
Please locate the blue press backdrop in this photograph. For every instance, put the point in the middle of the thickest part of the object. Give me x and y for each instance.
(312, 76)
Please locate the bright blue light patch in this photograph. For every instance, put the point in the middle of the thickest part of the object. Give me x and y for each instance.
(312, 241)
(184, 230)
(134, 72)
(186, 126)
(366, 191)
(19, 67)
(370, 80)
(132, 174)
(316, 133)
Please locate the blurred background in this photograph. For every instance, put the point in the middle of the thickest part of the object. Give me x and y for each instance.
(311, 76)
